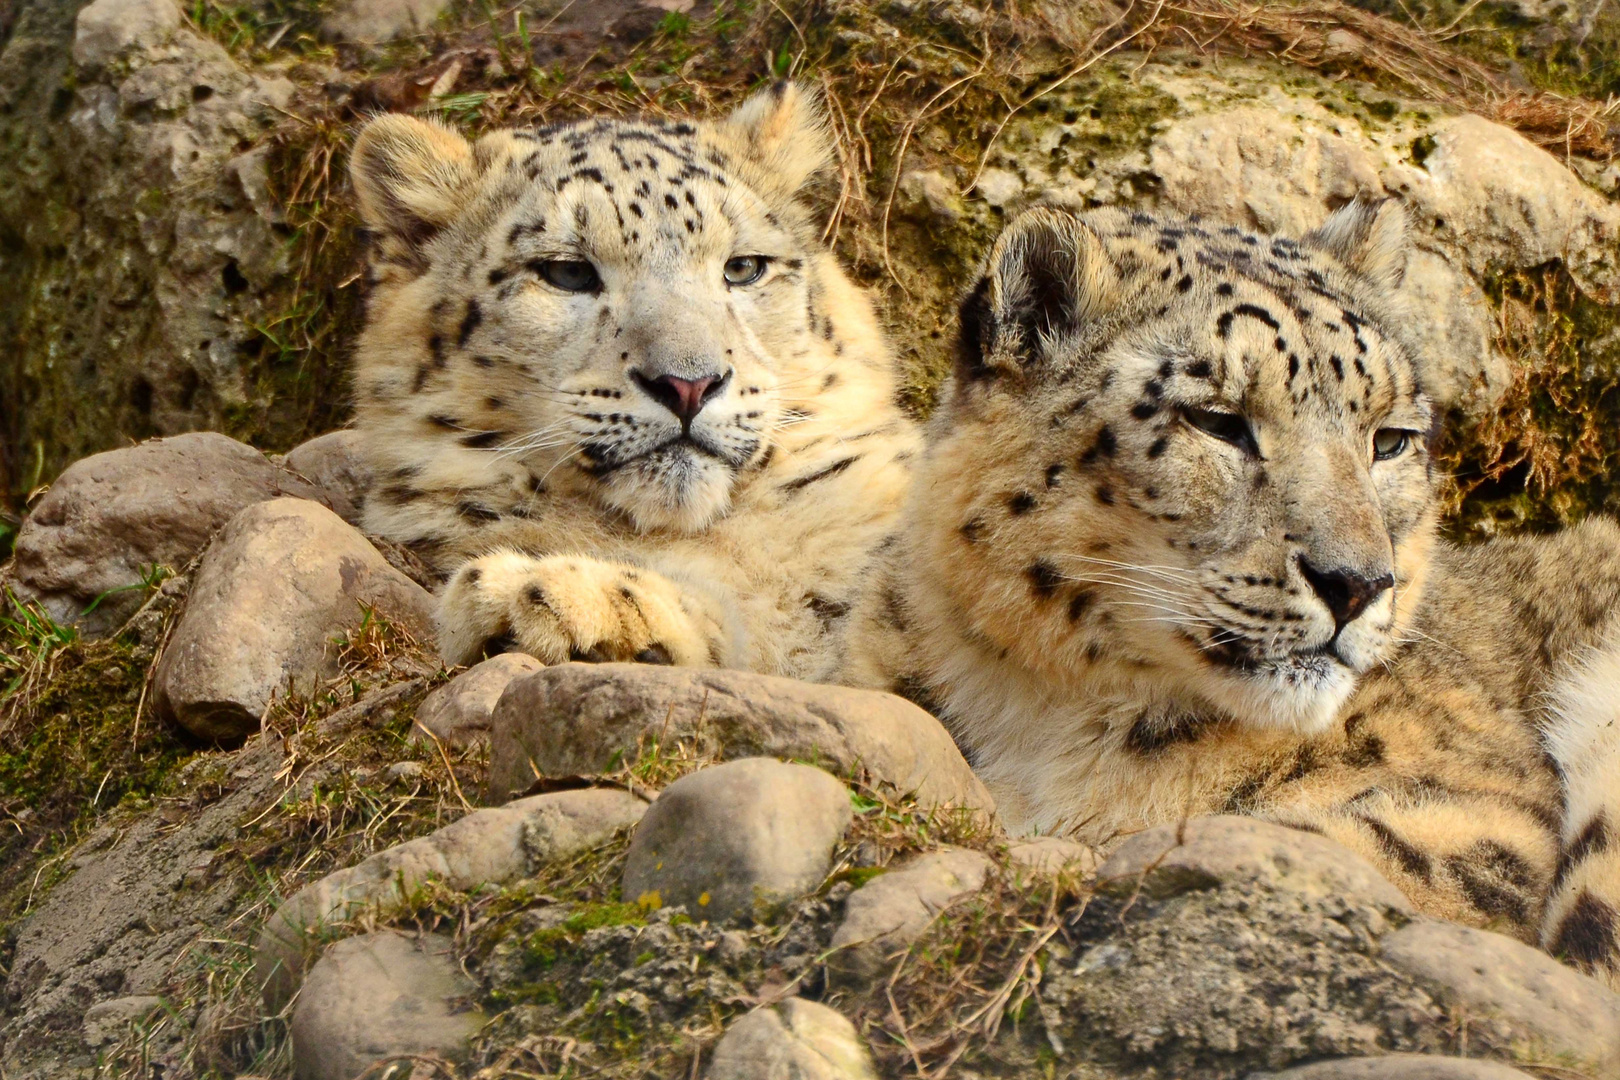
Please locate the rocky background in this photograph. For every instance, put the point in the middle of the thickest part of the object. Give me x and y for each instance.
(250, 827)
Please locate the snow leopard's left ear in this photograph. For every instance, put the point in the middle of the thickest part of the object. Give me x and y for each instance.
(1370, 237)
(784, 131)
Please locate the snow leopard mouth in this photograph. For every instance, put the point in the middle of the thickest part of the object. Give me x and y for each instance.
(674, 452)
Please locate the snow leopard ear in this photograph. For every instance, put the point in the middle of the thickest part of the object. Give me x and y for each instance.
(784, 131)
(1370, 237)
(411, 177)
(1047, 275)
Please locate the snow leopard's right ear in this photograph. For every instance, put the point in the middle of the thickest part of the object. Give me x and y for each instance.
(411, 177)
(1047, 275)
(783, 129)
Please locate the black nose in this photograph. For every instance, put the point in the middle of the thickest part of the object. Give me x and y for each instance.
(683, 397)
(1345, 592)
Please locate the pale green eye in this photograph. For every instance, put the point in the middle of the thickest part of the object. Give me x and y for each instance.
(744, 269)
(1390, 443)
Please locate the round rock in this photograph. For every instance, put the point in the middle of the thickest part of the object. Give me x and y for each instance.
(795, 1040)
(735, 840)
(1400, 1067)
(333, 464)
(1204, 852)
(581, 719)
(111, 517)
(379, 996)
(888, 913)
(1519, 994)
(458, 713)
(283, 579)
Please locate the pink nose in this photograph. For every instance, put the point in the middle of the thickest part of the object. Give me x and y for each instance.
(683, 397)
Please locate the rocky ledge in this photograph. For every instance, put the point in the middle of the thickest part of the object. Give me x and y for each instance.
(676, 872)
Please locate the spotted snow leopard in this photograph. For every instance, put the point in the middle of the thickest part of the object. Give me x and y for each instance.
(614, 385)
(1171, 549)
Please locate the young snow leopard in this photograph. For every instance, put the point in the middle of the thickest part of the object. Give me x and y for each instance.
(613, 384)
(1171, 550)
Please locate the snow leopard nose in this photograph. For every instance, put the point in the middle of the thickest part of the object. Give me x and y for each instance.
(683, 397)
(1346, 593)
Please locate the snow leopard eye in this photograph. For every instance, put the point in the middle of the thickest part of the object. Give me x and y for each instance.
(1225, 426)
(1390, 443)
(745, 269)
(571, 275)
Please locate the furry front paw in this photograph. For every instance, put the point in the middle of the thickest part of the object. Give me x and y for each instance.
(570, 607)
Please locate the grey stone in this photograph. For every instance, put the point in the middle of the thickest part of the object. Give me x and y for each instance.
(458, 713)
(1203, 852)
(282, 581)
(1048, 855)
(379, 996)
(487, 847)
(1400, 1067)
(581, 719)
(795, 1040)
(1515, 993)
(332, 463)
(109, 519)
(931, 193)
(729, 840)
(888, 913)
(108, 1021)
(372, 22)
(107, 29)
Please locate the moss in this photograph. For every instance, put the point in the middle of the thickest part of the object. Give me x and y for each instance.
(1546, 457)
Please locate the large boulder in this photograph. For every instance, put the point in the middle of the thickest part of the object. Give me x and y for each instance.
(110, 519)
(737, 840)
(580, 719)
(282, 582)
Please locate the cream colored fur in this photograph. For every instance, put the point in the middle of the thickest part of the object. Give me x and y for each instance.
(1172, 549)
(535, 300)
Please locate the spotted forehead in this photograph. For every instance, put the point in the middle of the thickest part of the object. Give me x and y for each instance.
(1293, 317)
(676, 151)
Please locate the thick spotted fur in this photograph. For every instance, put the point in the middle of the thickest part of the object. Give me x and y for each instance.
(614, 386)
(1172, 550)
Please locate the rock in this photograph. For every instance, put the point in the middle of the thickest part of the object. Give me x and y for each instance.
(106, 29)
(378, 996)
(284, 578)
(372, 22)
(1049, 855)
(1502, 202)
(333, 464)
(1519, 994)
(795, 1040)
(728, 841)
(1204, 852)
(930, 191)
(109, 519)
(108, 1021)
(135, 901)
(1400, 1067)
(998, 187)
(458, 713)
(581, 719)
(487, 847)
(888, 913)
